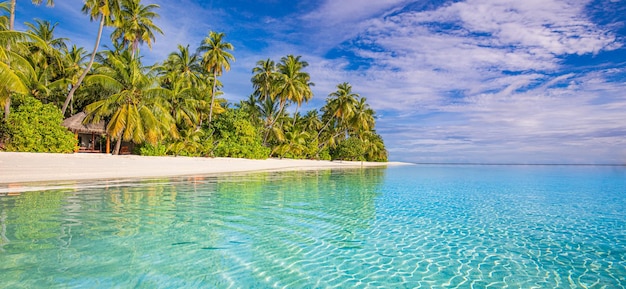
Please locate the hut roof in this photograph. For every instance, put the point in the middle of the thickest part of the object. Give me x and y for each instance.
(75, 124)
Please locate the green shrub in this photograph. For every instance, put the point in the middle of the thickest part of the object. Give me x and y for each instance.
(351, 149)
(148, 149)
(36, 127)
(237, 137)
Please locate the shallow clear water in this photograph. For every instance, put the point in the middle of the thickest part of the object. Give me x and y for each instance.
(402, 227)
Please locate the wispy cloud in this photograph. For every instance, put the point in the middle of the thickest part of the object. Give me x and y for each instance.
(494, 69)
(452, 81)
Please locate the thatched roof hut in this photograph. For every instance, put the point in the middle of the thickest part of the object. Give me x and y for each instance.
(86, 133)
(75, 125)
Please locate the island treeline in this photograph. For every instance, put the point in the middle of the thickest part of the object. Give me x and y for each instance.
(174, 107)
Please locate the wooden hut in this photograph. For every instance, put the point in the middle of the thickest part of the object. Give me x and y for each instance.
(89, 136)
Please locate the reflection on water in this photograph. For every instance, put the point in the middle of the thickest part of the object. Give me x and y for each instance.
(402, 227)
(201, 231)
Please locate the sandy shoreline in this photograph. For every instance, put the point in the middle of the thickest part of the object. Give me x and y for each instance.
(44, 167)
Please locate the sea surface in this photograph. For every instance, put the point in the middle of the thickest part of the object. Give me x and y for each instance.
(422, 226)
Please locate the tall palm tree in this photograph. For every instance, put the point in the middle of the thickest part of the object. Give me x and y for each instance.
(134, 26)
(45, 31)
(362, 119)
(215, 59)
(48, 57)
(183, 65)
(50, 3)
(4, 19)
(16, 70)
(339, 105)
(293, 84)
(311, 121)
(103, 11)
(134, 112)
(181, 100)
(264, 79)
(11, 78)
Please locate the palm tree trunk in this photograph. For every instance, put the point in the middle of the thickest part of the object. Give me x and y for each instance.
(12, 17)
(267, 134)
(324, 127)
(7, 108)
(271, 125)
(70, 95)
(7, 104)
(118, 146)
(212, 96)
(294, 115)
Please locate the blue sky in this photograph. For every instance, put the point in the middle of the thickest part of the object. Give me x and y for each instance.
(480, 81)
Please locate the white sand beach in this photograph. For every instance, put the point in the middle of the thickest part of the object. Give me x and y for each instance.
(18, 168)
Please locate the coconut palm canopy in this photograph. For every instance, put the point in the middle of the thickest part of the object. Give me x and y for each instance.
(76, 124)
(174, 105)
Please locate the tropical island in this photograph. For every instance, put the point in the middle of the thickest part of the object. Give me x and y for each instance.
(112, 102)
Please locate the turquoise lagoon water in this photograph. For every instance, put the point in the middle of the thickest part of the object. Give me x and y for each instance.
(402, 227)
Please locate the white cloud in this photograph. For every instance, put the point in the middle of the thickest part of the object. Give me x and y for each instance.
(475, 80)
(487, 67)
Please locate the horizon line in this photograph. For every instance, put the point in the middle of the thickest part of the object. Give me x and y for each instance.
(517, 164)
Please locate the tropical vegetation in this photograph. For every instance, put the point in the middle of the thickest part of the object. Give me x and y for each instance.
(173, 107)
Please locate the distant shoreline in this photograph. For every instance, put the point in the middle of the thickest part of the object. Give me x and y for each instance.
(20, 168)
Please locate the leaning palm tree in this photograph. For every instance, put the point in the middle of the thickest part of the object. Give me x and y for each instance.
(135, 113)
(74, 60)
(134, 26)
(215, 59)
(104, 11)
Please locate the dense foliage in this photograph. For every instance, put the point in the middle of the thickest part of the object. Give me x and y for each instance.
(173, 107)
(36, 127)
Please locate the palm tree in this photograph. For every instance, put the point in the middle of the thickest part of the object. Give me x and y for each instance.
(134, 111)
(363, 117)
(295, 142)
(74, 62)
(293, 84)
(17, 72)
(49, 3)
(183, 65)
(4, 20)
(45, 31)
(181, 100)
(11, 8)
(264, 79)
(215, 59)
(311, 121)
(339, 106)
(104, 10)
(11, 78)
(251, 108)
(46, 56)
(134, 26)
